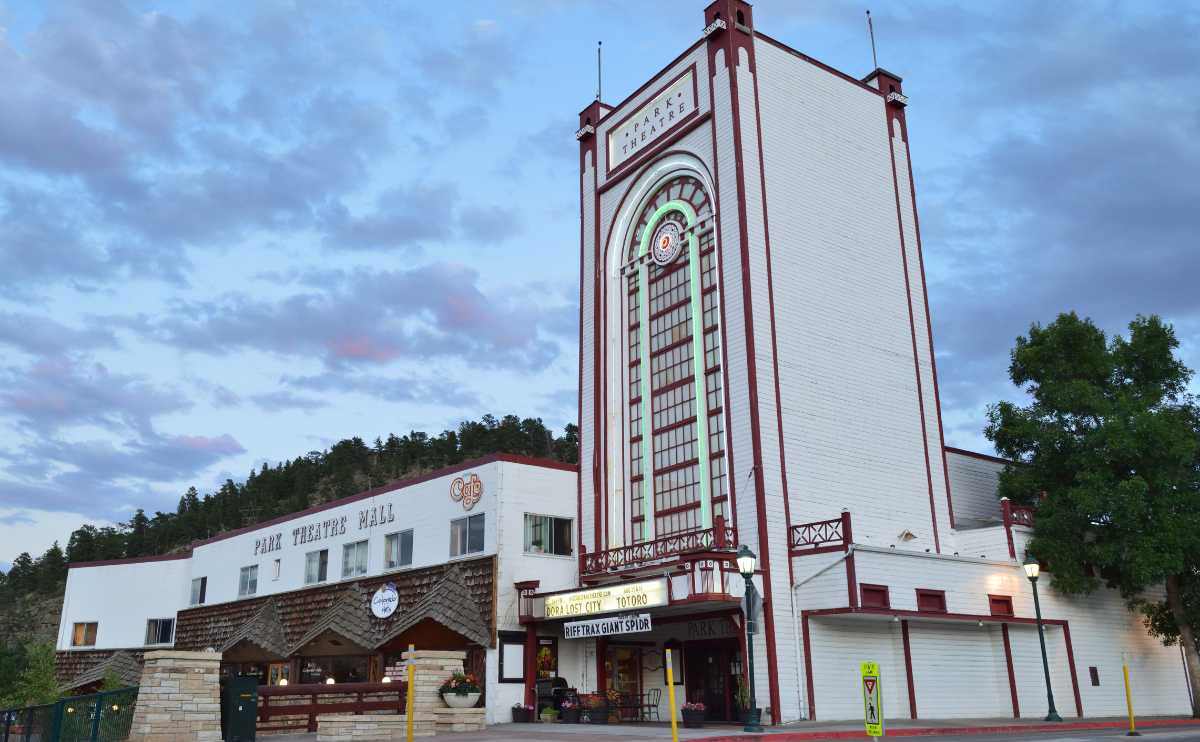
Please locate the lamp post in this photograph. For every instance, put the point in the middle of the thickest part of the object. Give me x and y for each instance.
(746, 561)
(1031, 571)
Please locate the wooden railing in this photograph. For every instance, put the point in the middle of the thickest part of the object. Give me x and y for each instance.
(1014, 515)
(718, 538)
(296, 707)
(821, 536)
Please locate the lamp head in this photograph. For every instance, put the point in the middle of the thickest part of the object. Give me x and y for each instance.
(1031, 567)
(746, 561)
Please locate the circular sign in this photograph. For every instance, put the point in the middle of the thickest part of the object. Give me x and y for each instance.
(668, 241)
(385, 601)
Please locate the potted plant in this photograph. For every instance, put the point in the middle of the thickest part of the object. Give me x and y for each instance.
(693, 715)
(741, 696)
(522, 713)
(460, 691)
(549, 714)
(570, 712)
(597, 709)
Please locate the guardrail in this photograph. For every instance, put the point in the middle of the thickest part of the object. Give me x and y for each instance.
(720, 537)
(821, 536)
(296, 707)
(96, 717)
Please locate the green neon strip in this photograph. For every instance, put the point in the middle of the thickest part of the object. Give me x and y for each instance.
(697, 359)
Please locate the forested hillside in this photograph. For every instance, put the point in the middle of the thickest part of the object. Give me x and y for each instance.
(347, 467)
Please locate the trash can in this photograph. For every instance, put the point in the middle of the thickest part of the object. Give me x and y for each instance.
(239, 708)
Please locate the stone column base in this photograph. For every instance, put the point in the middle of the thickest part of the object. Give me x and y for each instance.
(459, 720)
(370, 728)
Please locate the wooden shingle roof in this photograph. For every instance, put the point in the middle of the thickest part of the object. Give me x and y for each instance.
(124, 665)
(450, 604)
(263, 629)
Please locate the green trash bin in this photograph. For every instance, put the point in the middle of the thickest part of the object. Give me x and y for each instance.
(239, 708)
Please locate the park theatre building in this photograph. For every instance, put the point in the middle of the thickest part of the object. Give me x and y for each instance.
(756, 368)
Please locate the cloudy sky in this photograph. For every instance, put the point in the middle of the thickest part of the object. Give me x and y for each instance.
(235, 235)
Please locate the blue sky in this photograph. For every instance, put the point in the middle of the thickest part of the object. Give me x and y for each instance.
(234, 234)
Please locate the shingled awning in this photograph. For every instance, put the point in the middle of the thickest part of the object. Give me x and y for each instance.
(263, 630)
(448, 603)
(349, 618)
(123, 665)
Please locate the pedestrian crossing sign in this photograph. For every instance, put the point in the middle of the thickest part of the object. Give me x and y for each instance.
(872, 699)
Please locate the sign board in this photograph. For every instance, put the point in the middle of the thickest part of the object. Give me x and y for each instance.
(872, 699)
(628, 624)
(467, 490)
(384, 601)
(660, 114)
(608, 599)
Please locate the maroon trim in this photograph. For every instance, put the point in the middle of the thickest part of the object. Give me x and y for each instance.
(1071, 663)
(1006, 518)
(655, 151)
(530, 668)
(1012, 677)
(1007, 599)
(901, 612)
(579, 386)
(851, 580)
(912, 326)
(908, 671)
(393, 487)
(974, 455)
(816, 63)
(132, 560)
(599, 333)
(937, 396)
(610, 171)
(615, 108)
(808, 667)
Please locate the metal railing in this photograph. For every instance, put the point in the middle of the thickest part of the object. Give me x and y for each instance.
(821, 536)
(296, 707)
(97, 717)
(721, 536)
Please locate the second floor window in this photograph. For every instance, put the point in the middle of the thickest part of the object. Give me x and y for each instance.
(199, 590)
(397, 549)
(545, 534)
(248, 581)
(160, 631)
(466, 535)
(354, 559)
(84, 634)
(316, 566)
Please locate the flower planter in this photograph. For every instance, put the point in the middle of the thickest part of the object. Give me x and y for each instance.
(549, 715)
(598, 715)
(692, 719)
(570, 716)
(522, 716)
(461, 700)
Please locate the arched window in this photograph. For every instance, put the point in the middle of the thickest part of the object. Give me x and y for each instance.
(676, 476)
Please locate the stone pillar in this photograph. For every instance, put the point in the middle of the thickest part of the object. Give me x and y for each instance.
(432, 669)
(179, 698)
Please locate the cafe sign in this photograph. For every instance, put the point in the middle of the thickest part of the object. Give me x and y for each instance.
(608, 599)
(628, 624)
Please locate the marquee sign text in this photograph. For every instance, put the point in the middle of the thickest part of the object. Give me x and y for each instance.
(608, 599)
(630, 624)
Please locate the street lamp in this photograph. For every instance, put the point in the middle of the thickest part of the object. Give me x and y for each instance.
(1032, 568)
(746, 562)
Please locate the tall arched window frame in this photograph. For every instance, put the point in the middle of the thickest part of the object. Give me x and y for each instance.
(675, 475)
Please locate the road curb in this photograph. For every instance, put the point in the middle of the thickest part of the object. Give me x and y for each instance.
(943, 731)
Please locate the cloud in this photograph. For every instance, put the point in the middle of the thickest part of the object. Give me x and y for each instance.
(391, 387)
(44, 336)
(484, 59)
(364, 318)
(403, 217)
(285, 400)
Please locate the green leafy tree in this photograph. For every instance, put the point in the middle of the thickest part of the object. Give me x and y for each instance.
(36, 683)
(1108, 448)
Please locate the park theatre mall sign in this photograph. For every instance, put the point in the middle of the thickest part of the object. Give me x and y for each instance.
(608, 599)
(648, 124)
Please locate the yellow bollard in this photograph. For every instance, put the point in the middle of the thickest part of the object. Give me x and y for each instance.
(1133, 732)
(671, 697)
(409, 711)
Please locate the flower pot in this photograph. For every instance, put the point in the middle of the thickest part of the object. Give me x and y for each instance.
(693, 719)
(598, 715)
(570, 716)
(522, 716)
(461, 700)
(549, 715)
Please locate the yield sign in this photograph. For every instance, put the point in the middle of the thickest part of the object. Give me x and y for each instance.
(870, 683)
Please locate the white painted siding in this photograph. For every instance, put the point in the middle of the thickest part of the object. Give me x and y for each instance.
(120, 598)
(588, 433)
(973, 481)
(839, 648)
(958, 670)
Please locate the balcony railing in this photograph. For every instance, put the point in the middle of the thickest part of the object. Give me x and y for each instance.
(648, 553)
(821, 536)
(1014, 515)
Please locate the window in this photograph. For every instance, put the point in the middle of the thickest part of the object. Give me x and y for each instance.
(466, 535)
(275, 569)
(1000, 605)
(931, 601)
(248, 581)
(160, 631)
(545, 534)
(199, 590)
(875, 596)
(316, 566)
(397, 549)
(84, 635)
(354, 559)
(512, 657)
(1094, 675)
